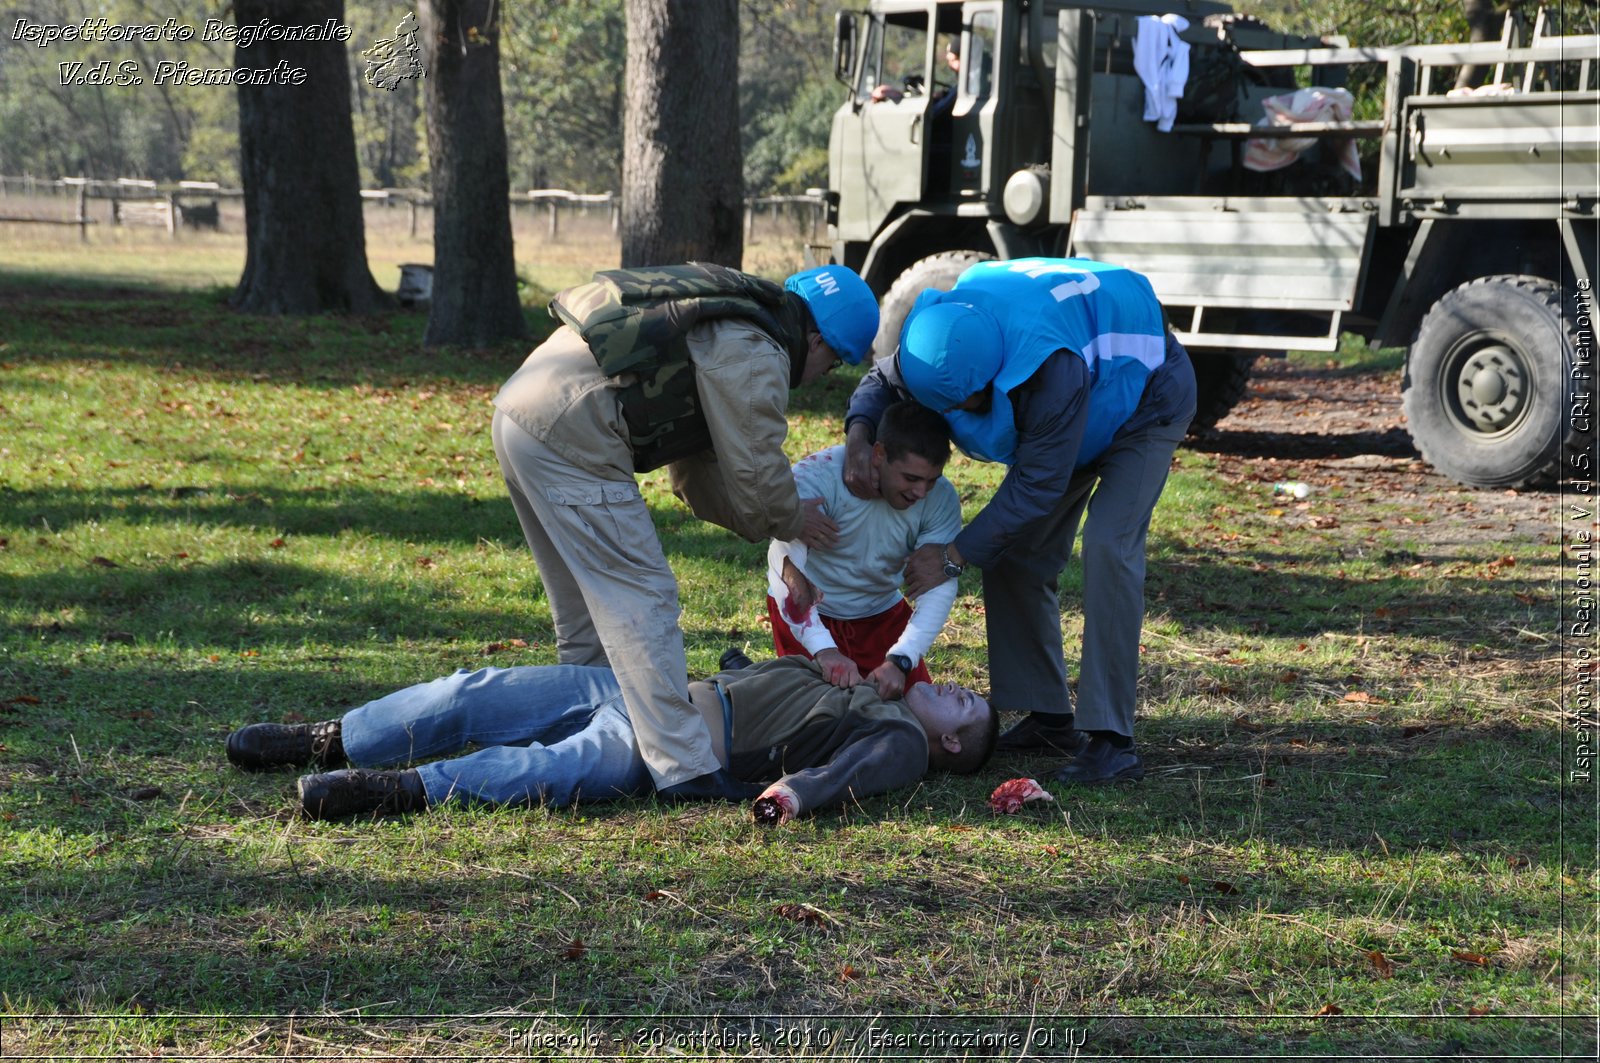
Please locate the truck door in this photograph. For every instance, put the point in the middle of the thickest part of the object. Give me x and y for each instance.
(884, 142)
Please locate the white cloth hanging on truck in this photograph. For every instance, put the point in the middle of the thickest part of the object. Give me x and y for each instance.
(1161, 59)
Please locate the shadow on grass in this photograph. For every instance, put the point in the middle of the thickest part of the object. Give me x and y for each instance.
(50, 318)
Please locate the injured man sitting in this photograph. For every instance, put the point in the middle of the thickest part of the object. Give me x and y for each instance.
(559, 734)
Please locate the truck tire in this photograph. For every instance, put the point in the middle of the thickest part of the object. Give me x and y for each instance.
(1221, 379)
(1485, 383)
(936, 271)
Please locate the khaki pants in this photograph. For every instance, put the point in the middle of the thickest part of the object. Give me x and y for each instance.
(612, 596)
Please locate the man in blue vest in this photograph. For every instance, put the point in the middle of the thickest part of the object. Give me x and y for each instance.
(1064, 370)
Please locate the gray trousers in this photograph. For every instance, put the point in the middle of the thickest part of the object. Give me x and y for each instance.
(612, 596)
(1021, 592)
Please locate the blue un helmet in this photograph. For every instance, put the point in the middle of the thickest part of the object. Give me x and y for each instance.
(948, 350)
(844, 308)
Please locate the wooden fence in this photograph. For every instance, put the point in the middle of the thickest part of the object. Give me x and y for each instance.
(196, 204)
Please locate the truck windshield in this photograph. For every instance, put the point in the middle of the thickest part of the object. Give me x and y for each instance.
(895, 60)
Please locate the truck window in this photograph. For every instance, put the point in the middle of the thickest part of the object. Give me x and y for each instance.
(977, 65)
(896, 57)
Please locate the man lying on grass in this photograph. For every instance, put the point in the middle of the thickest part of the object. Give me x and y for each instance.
(559, 734)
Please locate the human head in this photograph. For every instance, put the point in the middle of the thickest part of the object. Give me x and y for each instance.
(843, 308)
(962, 727)
(910, 454)
(949, 351)
(952, 53)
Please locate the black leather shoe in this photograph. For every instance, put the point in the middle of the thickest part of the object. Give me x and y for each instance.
(1101, 763)
(335, 794)
(275, 745)
(715, 786)
(733, 659)
(1043, 732)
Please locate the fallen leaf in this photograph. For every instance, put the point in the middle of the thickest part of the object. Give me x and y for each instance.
(655, 895)
(803, 913)
(1381, 964)
(1051, 850)
(574, 950)
(1477, 1010)
(1361, 697)
(848, 973)
(1330, 1009)
(1476, 959)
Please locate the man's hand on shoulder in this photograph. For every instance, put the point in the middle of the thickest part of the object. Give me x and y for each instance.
(838, 669)
(820, 531)
(859, 476)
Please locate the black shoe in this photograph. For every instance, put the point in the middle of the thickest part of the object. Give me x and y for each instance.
(335, 794)
(275, 745)
(1043, 732)
(714, 786)
(733, 659)
(1100, 763)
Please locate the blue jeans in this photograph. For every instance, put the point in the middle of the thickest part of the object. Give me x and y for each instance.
(549, 735)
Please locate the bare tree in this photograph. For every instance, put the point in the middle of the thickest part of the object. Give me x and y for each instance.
(474, 270)
(682, 179)
(305, 245)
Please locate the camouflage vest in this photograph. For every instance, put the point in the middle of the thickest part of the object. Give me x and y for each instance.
(636, 321)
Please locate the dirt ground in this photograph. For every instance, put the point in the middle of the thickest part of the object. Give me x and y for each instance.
(1333, 428)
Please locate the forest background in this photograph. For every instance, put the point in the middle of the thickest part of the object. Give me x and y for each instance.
(561, 68)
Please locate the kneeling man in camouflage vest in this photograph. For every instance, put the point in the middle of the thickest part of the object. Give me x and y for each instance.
(687, 367)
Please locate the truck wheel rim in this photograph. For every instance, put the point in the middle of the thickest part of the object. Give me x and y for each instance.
(1488, 387)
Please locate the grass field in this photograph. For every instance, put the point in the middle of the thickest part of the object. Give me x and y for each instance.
(1357, 837)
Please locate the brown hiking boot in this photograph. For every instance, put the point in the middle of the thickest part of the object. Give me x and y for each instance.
(336, 794)
(277, 745)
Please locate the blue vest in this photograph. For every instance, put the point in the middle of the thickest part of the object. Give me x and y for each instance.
(1107, 315)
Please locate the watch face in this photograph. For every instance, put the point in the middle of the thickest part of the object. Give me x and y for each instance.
(952, 569)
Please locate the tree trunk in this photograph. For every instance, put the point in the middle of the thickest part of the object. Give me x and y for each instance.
(1486, 24)
(475, 301)
(305, 244)
(682, 167)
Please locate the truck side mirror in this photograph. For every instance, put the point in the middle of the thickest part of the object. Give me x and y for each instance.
(844, 47)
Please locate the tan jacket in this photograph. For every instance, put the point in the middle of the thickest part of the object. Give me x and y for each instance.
(743, 483)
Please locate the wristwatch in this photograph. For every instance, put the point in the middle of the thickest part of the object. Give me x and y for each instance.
(900, 661)
(951, 569)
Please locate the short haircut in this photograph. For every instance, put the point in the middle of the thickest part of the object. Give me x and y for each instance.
(977, 746)
(912, 428)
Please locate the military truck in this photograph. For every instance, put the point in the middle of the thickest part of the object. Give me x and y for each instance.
(1010, 128)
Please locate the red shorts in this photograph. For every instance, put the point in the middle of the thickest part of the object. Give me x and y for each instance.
(864, 641)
